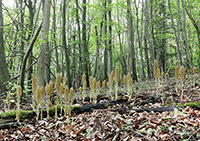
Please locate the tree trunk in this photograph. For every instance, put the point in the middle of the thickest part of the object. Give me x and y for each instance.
(105, 67)
(110, 37)
(185, 38)
(145, 42)
(176, 38)
(79, 43)
(64, 43)
(139, 39)
(4, 74)
(43, 46)
(131, 43)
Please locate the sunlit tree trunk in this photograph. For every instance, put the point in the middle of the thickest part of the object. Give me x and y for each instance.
(44, 44)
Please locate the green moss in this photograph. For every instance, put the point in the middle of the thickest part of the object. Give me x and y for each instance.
(180, 105)
(193, 104)
(12, 114)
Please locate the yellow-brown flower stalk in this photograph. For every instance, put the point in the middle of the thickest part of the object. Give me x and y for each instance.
(130, 83)
(38, 102)
(47, 90)
(84, 90)
(124, 81)
(51, 87)
(111, 84)
(104, 84)
(182, 79)
(156, 73)
(41, 104)
(19, 93)
(116, 81)
(58, 82)
(68, 110)
(91, 86)
(66, 97)
(176, 77)
(94, 90)
(34, 85)
(64, 80)
(71, 95)
(61, 94)
(8, 100)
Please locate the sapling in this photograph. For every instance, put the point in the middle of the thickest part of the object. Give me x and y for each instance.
(116, 81)
(19, 93)
(33, 90)
(8, 100)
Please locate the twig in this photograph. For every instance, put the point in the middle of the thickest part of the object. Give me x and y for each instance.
(192, 135)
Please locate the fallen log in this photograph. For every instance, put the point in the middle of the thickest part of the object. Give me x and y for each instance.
(8, 119)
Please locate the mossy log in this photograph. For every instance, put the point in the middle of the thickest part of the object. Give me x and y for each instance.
(10, 116)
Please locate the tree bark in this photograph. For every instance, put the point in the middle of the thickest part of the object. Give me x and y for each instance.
(105, 67)
(176, 38)
(185, 38)
(65, 46)
(132, 62)
(110, 37)
(4, 74)
(43, 46)
(84, 43)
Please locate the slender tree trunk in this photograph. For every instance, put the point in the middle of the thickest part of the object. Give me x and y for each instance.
(131, 43)
(84, 42)
(54, 36)
(110, 37)
(176, 38)
(64, 43)
(4, 74)
(79, 39)
(122, 55)
(185, 38)
(43, 46)
(30, 61)
(105, 67)
(139, 39)
(145, 42)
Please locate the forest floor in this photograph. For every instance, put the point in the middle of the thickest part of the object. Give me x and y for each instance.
(151, 114)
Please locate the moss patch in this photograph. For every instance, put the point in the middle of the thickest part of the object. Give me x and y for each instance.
(193, 104)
